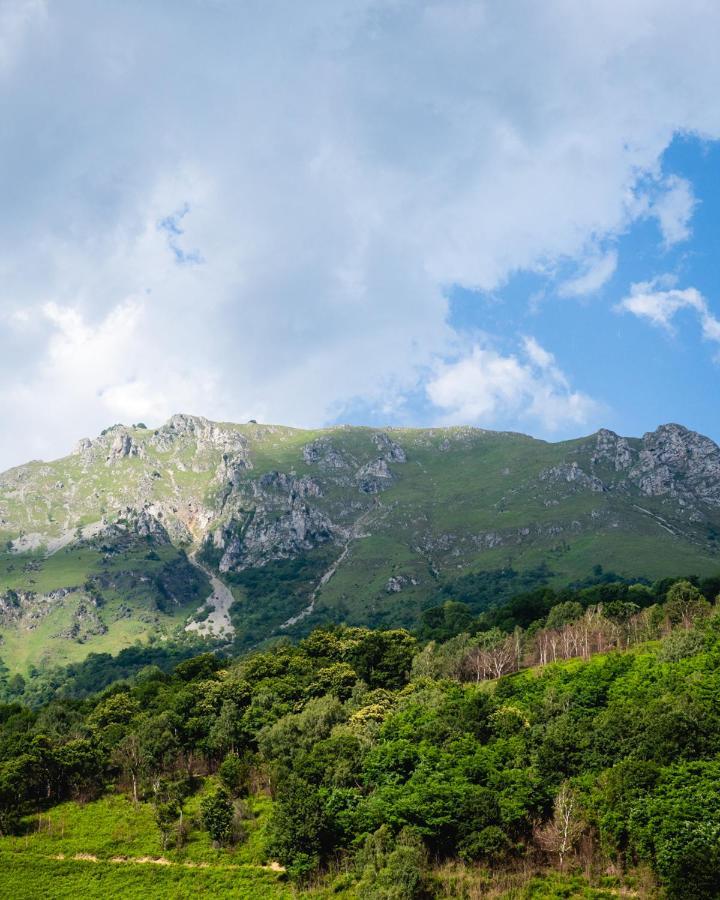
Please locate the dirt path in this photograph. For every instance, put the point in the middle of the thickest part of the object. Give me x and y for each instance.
(162, 861)
(218, 621)
(355, 534)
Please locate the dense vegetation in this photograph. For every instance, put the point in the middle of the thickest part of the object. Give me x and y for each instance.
(576, 730)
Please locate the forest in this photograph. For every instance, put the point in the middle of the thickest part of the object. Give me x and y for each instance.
(565, 737)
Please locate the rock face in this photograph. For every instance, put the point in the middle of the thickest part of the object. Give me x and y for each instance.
(288, 484)
(374, 476)
(679, 463)
(265, 537)
(612, 449)
(391, 451)
(323, 453)
(670, 462)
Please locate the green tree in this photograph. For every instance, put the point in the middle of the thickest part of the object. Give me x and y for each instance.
(685, 604)
(217, 814)
(300, 829)
(234, 773)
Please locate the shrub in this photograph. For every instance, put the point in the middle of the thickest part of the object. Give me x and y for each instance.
(217, 816)
(234, 773)
(490, 845)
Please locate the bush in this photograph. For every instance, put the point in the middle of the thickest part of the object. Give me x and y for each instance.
(679, 644)
(689, 862)
(393, 868)
(217, 814)
(490, 845)
(234, 773)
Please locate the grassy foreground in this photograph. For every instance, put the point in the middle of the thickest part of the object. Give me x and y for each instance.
(24, 876)
(110, 847)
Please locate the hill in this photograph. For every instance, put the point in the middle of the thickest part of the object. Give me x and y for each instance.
(245, 532)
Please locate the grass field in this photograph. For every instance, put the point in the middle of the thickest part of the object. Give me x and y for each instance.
(112, 847)
(25, 876)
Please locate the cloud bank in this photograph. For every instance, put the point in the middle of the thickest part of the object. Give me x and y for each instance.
(257, 209)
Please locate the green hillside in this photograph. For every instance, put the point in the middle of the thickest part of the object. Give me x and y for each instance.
(281, 529)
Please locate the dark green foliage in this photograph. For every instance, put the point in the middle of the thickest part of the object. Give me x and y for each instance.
(273, 593)
(440, 623)
(482, 590)
(381, 771)
(301, 835)
(490, 845)
(383, 658)
(677, 826)
(178, 582)
(392, 868)
(217, 816)
(234, 773)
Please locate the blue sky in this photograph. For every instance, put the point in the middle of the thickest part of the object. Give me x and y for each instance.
(639, 375)
(414, 212)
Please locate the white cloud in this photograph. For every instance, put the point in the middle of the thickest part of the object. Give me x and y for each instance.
(487, 388)
(660, 307)
(673, 208)
(341, 162)
(598, 271)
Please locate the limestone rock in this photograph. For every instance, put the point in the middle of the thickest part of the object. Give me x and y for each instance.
(321, 452)
(612, 449)
(390, 450)
(571, 473)
(267, 536)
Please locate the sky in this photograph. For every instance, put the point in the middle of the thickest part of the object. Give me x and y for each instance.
(501, 213)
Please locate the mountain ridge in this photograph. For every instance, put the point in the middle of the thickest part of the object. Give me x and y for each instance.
(139, 527)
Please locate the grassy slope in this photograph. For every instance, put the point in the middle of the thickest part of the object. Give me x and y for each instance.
(457, 486)
(38, 643)
(485, 485)
(27, 878)
(114, 836)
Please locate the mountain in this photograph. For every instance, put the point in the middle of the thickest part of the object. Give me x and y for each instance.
(243, 532)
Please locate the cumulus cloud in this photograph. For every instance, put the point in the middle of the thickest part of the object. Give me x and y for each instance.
(336, 165)
(659, 307)
(485, 387)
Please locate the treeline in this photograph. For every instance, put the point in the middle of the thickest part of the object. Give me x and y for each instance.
(387, 754)
(596, 620)
(97, 671)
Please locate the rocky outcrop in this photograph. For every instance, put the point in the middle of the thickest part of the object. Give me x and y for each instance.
(613, 450)
(267, 536)
(398, 583)
(390, 451)
(571, 473)
(374, 476)
(232, 467)
(121, 446)
(324, 454)
(287, 484)
(114, 444)
(678, 463)
(135, 523)
(201, 436)
(86, 623)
